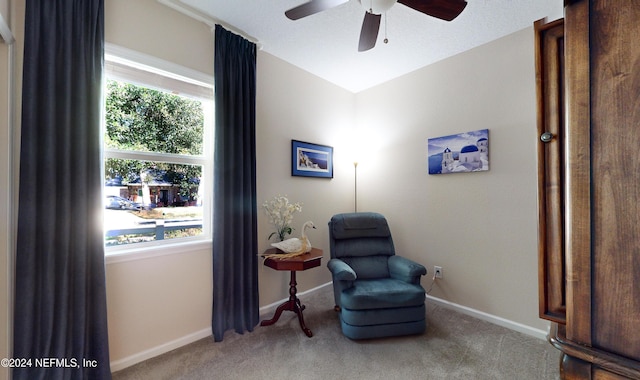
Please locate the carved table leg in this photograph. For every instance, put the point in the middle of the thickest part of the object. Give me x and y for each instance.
(293, 304)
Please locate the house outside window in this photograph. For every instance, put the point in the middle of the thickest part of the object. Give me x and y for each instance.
(157, 152)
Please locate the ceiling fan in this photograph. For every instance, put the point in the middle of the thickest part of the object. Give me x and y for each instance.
(442, 9)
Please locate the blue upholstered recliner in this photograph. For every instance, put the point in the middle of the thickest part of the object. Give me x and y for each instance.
(377, 293)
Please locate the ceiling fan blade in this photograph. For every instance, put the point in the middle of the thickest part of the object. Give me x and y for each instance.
(369, 32)
(311, 7)
(442, 9)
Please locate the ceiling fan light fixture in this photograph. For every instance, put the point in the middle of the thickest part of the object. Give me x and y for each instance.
(377, 7)
(374, 9)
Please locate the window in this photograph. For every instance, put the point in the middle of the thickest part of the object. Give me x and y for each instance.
(157, 153)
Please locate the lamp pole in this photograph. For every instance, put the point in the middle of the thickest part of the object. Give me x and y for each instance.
(355, 185)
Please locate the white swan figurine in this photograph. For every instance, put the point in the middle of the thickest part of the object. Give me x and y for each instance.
(296, 245)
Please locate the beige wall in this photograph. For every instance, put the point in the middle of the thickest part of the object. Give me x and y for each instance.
(151, 28)
(157, 303)
(480, 227)
(292, 104)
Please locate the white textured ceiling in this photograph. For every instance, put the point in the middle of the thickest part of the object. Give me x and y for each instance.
(326, 44)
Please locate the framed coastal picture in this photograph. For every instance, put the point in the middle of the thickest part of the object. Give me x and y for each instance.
(460, 153)
(311, 160)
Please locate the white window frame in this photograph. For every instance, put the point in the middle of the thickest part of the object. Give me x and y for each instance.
(154, 65)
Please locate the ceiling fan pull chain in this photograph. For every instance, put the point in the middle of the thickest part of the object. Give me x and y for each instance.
(386, 40)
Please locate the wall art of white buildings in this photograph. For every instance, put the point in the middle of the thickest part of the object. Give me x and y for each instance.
(460, 153)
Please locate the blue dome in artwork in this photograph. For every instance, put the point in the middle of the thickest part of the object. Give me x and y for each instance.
(447, 150)
(469, 149)
(483, 139)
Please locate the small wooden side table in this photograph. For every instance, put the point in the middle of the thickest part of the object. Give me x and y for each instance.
(303, 262)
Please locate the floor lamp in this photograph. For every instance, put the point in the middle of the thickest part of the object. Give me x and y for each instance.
(355, 186)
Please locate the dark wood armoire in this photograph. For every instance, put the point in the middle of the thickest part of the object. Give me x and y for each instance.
(588, 80)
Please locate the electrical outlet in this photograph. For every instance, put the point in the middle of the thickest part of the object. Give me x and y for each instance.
(437, 271)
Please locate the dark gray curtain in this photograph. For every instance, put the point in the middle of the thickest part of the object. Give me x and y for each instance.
(235, 260)
(60, 299)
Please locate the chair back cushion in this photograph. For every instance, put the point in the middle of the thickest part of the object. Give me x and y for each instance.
(363, 240)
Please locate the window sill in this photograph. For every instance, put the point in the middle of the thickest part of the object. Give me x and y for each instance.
(113, 256)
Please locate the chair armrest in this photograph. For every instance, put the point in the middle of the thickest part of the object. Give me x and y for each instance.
(405, 269)
(341, 270)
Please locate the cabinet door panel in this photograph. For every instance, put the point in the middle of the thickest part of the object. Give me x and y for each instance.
(549, 81)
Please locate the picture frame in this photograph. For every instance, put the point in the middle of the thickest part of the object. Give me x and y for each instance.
(460, 153)
(311, 160)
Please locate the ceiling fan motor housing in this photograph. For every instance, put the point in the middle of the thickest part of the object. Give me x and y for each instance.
(377, 7)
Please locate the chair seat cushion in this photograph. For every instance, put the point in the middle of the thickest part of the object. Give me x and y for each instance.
(375, 317)
(383, 330)
(381, 293)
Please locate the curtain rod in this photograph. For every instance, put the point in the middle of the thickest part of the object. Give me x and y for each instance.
(208, 20)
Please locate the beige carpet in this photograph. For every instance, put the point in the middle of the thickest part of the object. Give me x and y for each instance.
(455, 346)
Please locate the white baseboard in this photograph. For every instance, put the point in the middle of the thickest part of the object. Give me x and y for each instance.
(519, 327)
(166, 347)
(159, 350)
(177, 343)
